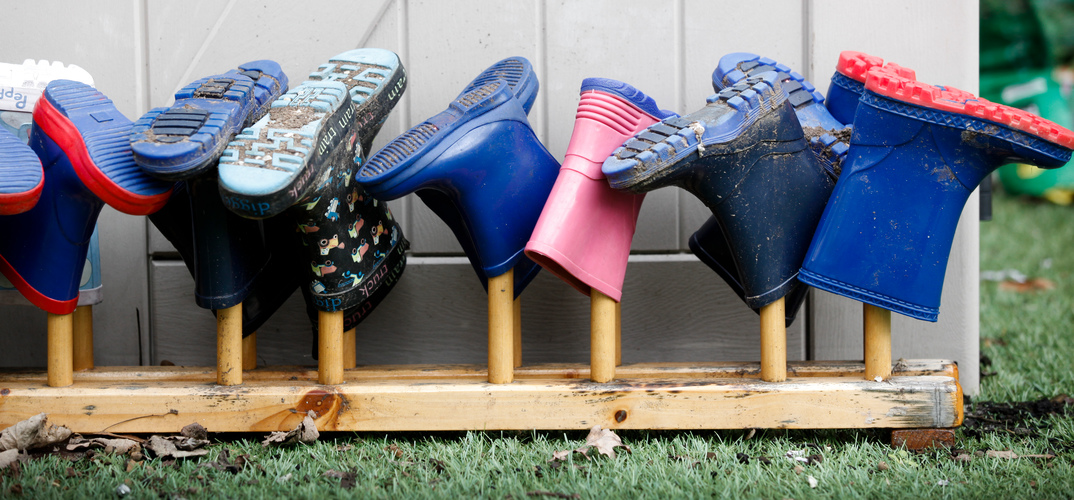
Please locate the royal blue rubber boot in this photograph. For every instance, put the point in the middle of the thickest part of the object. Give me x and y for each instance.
(745, 156)
(82, 141)
(483, 156)
(518, 73)
(302, 159)
(916, 154)
(848, 82)
(21, 175)
(185, 140)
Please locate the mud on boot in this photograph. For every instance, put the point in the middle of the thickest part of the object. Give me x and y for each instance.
(916, 154)
(745, 156)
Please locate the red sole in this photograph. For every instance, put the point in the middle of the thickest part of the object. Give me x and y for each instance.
(64, 133)
(856, 65)
(952, 100)
(35, 297)
(17, 203)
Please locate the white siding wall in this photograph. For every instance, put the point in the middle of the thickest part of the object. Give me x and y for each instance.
(140, 52)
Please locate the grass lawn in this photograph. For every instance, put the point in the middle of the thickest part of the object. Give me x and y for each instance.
(1027, 345)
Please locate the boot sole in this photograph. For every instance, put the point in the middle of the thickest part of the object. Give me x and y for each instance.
(922, 101)
(182, 141)
(402, 158)
(95, 137)
(807, 102)
(654, 153)
(271, 165)
(375, 79)
(21, 176)
(520, 78)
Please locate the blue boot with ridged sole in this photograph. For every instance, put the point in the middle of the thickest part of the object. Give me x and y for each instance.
(745, 156)
(482, 155)
(185, 140)
(84, 147)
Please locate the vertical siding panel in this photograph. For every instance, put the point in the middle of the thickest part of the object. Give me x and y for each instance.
(942, 49)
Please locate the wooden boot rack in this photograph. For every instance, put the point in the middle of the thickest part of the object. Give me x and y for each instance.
(505, 394)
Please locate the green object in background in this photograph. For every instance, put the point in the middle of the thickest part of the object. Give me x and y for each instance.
(1038, 92)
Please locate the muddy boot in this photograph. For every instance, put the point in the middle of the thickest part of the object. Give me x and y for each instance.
(585, 229)
(916, 154)
(828, 138)
(185, 140)
(82, 141)
(302, 158)
(228, 256)
(484, 158)
(520, 78)
(745, 156)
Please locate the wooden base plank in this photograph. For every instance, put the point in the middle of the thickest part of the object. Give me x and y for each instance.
(833, 398)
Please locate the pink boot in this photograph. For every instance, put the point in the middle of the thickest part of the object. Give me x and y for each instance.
(584, 233)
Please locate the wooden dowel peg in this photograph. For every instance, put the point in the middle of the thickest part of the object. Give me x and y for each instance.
(518, 331)
(229, 345)
(601, 337)
(350, 349)
(877, 342)
(83, 338)
(330, 347)
(249, 351)
(618, 333)
(501, 328)
(774, 342)
(60, 350)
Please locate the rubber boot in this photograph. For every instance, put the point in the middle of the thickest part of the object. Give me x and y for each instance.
(302, 158)
(583, 235)
(482, 154)
(916, 154)
(848, 82)
(185, 140)
(745, 156)
(518, 73)
(21, 177)
(828, 138)
(82, 141)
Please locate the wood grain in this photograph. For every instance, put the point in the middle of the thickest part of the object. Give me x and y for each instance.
(60, 350)
(445, 403)
(229, 349)
(82, 343)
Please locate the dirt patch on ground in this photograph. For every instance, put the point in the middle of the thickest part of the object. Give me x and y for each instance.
(1023, 418)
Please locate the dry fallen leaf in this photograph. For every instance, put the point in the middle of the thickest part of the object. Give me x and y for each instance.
(1029, 285)
(117, 445)
(812, 481)
(605, 441)
(8, 457)
(176, 447)
(306, 432)
(1001, 454)
(33, 432)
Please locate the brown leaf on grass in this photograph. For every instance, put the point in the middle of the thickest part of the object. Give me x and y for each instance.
(605, 441)
(347, 480)
(224, 463)
(117, 445)
(305, 432)
(31, 433)
(8, 457)
(395, 450)
(195, 431)
(164, 447)
(1029, 285)
(1064, 399)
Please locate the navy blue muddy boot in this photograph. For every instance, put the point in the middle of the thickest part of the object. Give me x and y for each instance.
(745, 156)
